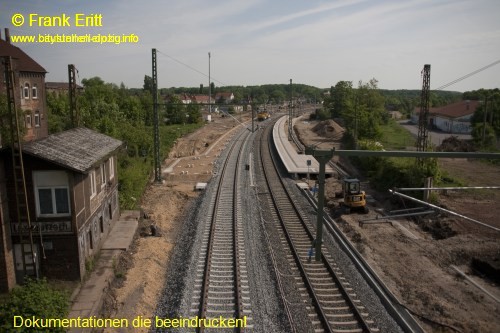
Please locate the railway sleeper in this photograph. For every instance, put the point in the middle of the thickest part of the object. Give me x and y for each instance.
(336, 293)
(220, 312)
(344, 323)
(341, 315)
(343, 330)
(336, 308)
(333, 302)
(209, 303)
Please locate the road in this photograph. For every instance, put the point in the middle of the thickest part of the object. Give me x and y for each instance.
(436, 137)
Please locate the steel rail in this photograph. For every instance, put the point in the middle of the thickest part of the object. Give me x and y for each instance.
(303, 271)
(211, 241)
(390, 302)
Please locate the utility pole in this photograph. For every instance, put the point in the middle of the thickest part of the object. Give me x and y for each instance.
(209, 88)
(485, 116)
(290, 115)
(253, 115)
(424, 110)
(156, 121)
(322, 156)
(73, 111)
(356, 121)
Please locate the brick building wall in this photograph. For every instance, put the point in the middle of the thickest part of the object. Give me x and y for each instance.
(7, 270)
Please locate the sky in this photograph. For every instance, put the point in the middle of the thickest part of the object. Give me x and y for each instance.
(253, 42)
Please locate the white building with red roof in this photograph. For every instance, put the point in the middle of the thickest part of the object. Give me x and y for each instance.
(452, 118)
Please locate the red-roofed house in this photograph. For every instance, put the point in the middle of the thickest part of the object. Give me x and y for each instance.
(224, 97)
(452, 118)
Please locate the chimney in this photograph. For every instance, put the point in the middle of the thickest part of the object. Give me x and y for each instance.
(7, 35)
(468, 104)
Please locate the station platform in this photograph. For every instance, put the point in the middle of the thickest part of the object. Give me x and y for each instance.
(295, 163)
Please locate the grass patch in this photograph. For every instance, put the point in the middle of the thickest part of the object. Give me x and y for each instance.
(395, 136)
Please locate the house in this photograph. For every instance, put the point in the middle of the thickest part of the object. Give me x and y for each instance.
(185, 98)
(395, 115)
(29, 95)
(453, 118)
(71, 186)
(224, 97)
(201, 99)
(72, 194)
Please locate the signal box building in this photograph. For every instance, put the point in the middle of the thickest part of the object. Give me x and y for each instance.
(72, 192)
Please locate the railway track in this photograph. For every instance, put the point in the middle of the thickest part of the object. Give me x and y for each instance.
(221, 275)
(331, 303)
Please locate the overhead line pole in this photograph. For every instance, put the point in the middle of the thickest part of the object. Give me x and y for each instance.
(209, 87)
(156, 121)
(424, 110)
(290, 115)
(73, 111)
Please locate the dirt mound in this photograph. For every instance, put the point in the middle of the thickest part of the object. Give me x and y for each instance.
(328, 128)
(454, 144)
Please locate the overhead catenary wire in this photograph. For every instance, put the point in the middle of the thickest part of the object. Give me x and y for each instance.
(467, 75)
(190, 67)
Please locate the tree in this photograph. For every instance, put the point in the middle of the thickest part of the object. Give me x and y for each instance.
(341, 101)
(58, 112)
(483, 135)
(176, 112)
(194, 113)
(212, 88)
(278, 96)
(488, 111)
(148, 84)
(370, 111)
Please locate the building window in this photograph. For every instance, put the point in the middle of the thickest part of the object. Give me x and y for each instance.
(111, 168)
(26, 92)
(37, 118)
(110, 211)
(28, 121)
(103, 174)
(93, 189)
(34, 92)
(91, 240)
(52, 193)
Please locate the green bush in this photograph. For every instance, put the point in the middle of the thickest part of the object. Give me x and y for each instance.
(34, 298)
(134, 169)
(388, 172)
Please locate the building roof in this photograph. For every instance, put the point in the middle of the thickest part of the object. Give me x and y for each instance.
(455, 110)
(78, 149)
(224, 95)
(24, 62)
(59, 86)
(200, 98)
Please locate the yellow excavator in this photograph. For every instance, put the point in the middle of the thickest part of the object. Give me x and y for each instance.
(354, 198)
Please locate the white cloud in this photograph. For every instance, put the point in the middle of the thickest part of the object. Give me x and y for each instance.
(256, 41)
